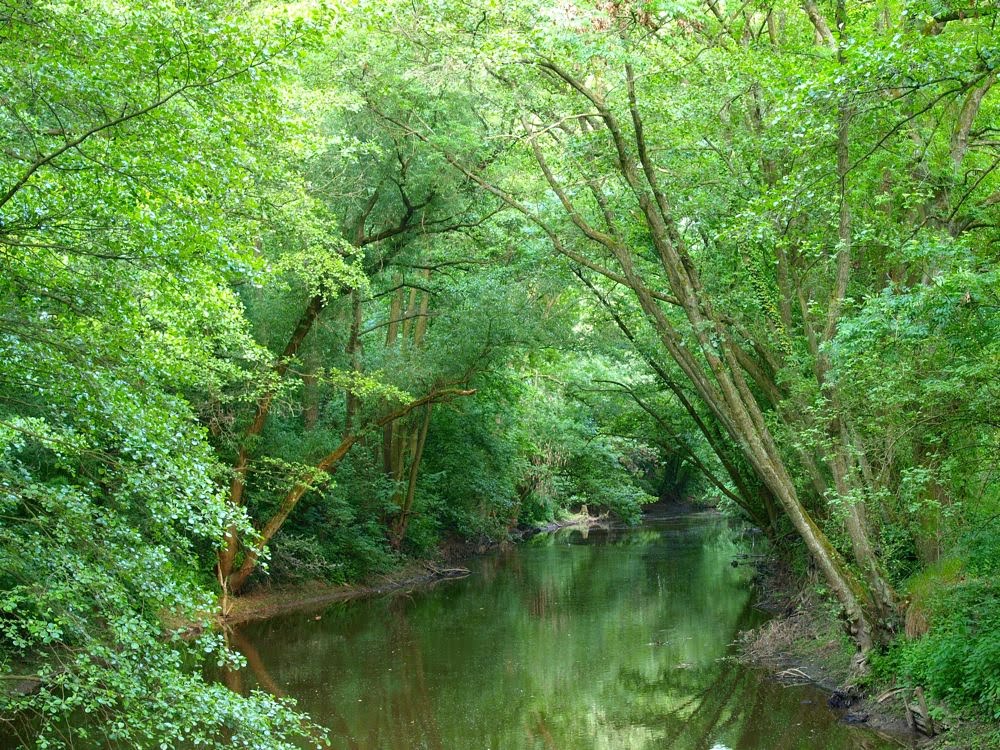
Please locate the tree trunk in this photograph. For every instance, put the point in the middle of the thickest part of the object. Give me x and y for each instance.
(227, 554)
(327, 465)
(719, 381)
(406, 510)
(310, 392)
(411, 219)
(351, 400)
(748, 490)
(715, 372)
(391, 336)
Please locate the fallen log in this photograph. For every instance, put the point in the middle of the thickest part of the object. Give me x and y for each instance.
(447, 572)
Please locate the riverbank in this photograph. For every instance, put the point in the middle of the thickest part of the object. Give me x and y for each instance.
(266, 601)
(804, 642)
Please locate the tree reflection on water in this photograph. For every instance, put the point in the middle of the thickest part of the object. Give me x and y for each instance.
(616, 641)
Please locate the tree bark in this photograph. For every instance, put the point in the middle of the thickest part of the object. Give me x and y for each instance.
(406, 510)
(310, 393)
(351, 400)
(720, 382)
(227, 554)
(411, 219)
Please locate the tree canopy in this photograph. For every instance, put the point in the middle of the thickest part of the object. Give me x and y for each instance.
(299, 291)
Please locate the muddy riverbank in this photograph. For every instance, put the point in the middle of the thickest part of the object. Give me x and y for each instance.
(803, 642)
(267, 601)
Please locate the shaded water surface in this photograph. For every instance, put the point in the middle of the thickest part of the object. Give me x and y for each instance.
(614, 640)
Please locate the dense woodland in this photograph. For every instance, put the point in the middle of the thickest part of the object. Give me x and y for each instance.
(296, 292)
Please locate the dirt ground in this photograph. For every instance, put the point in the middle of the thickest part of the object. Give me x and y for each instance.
(804, 641)
(265, 602)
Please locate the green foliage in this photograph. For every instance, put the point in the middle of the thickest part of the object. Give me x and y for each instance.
(469, 487)
(336, 535)
(571, 461)
(215, 216)
(121, 168)
(298, 558)
(959, 658)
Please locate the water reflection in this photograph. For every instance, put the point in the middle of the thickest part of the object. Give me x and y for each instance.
(618, 641)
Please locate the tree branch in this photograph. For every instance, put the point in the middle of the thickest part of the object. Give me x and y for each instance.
(326, 466)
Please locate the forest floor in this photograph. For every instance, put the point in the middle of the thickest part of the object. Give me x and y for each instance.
(268, 601)
(264, 602)
(804, 641)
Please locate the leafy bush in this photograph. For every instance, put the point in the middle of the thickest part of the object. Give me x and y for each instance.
(958, 660)
(296, 558)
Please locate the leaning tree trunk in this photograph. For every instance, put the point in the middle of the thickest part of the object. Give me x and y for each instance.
(718, 375)
(227, 555)
(716, 372)
(411, 219)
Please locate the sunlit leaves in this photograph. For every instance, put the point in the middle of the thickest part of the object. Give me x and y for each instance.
(134, 150)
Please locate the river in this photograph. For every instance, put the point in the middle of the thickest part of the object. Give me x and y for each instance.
(615, 639)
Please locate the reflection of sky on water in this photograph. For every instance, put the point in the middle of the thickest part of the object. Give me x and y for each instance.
(613, 642)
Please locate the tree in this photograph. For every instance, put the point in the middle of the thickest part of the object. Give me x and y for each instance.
(124, 174)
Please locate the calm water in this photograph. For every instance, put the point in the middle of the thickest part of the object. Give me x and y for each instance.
(615, 640)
